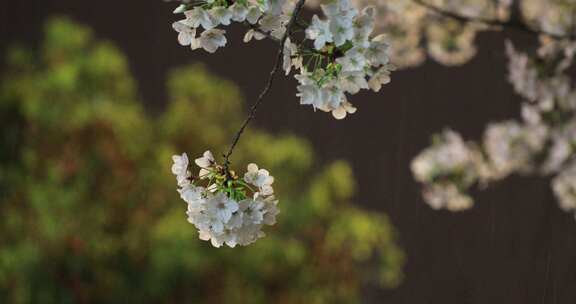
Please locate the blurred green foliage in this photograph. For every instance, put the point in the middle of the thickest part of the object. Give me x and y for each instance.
(90, 212)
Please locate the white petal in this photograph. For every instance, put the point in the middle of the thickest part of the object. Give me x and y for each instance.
(252, 168)
(204, 235)
(339, 113)
(184, 38)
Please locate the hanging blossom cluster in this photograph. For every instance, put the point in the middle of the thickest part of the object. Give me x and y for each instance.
(224, 208)
(345, 58)
(336, 56)
(543, 143)
(447, 169)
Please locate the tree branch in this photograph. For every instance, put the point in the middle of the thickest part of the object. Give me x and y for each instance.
(269, 82)
(513, 24)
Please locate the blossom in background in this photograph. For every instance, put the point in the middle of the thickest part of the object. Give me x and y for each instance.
(562, 149)
(564, 186)
(451, 43)
(511, 147)
(447, 168)
(447, 196)
(543, 142)
(554, 16)
(221, 209)
(451, 166)
(449, 155)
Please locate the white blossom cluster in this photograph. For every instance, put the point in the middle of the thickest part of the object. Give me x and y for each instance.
(541, 92)
(222, 210)
(337, 56)
(448, 196)
(564, 186)
(553, 16)
(543, 143)
(449, 155)
(551, 100)
(450, 167)
(562, 148)
(269, 16)
(511, 147)
(447, 168)
(345, 58)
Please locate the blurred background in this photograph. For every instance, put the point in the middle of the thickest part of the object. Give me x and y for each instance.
(95, 98)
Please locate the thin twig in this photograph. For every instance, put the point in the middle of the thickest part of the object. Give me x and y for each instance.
(513, 24)
(268, 86)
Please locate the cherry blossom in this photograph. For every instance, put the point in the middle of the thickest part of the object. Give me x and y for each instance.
(180, 169)
(542, 143)
(211, 40)
(319, 31)
(220, 207)
(343, 57)
(260, 178)
(564, 186)
(199, 17)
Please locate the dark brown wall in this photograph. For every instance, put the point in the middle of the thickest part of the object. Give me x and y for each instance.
(515, 246)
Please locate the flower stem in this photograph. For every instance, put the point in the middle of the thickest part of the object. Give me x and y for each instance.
(268, 86)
